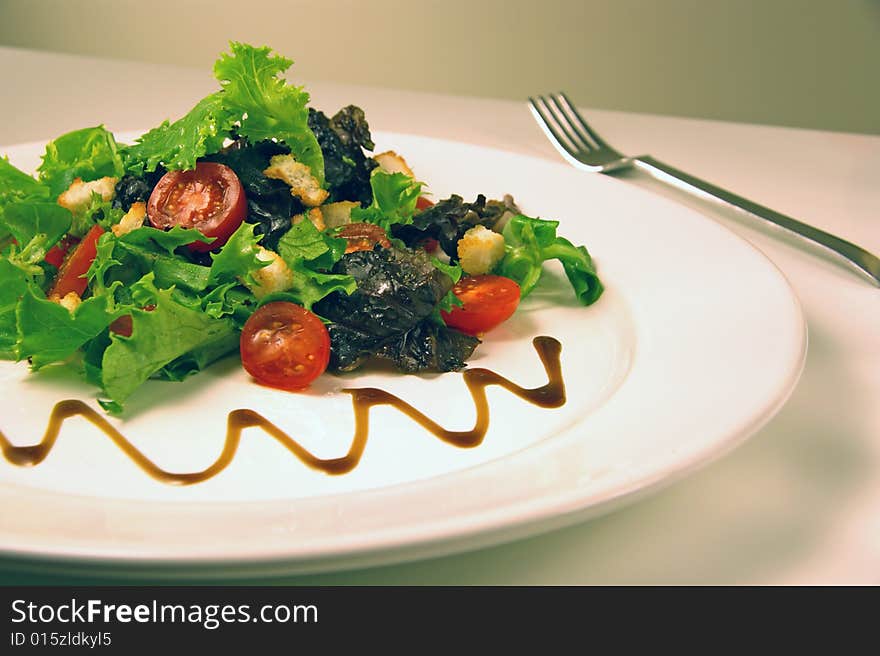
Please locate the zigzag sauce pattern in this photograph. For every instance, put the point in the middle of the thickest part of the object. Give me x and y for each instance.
(551, 395)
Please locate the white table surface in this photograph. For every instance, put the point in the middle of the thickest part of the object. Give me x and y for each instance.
(798, 503)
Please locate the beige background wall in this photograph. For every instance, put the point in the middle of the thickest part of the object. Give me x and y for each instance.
(803, 63)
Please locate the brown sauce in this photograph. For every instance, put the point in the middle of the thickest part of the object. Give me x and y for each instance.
(551, 395)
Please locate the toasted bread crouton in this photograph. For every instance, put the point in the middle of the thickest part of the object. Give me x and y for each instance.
(338, 214)
(479, 250)
(315, 215)
(69, 301)
(132, 220)
(276, 277)
(298, 177)
(79, 193)
(391, 162)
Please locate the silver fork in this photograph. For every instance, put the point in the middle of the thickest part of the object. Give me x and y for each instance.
(578, 143)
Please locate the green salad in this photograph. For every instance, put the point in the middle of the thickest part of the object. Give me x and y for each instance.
(258, 225)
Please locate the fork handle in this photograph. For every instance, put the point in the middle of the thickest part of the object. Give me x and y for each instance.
(860, 258)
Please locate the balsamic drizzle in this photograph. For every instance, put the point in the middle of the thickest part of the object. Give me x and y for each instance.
(551, 395)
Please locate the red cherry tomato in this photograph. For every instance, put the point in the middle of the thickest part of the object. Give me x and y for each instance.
(209, 198)
(488, 300)
(59, 251)
(124, 325)
(423, 203)
(71, 275)
(284, 345)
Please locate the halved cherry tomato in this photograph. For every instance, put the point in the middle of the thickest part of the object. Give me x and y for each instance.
(423, 203)
(71, 275)
(209, 198)
(284, 345)
(488, 300)
(59, 251)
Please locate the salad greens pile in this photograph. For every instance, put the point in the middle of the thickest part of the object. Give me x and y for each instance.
(185, 309)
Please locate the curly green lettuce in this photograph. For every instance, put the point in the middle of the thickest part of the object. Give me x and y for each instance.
(254, 101)
(394, 200)
(268, 107)
(530, 242)
(178, 145)
(310, 254)
(89, 153)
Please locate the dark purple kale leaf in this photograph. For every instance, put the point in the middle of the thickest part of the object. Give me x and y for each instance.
(392, 314)
(342, 139)
(136, 188)
(449, 219)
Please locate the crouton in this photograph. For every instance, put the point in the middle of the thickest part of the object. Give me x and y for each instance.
(276, 277)
(480, 250)
(69, 301)
(391, 162)
(298, 177)
(132, 220)
(79, 193)
(315, 215)
(338, 214)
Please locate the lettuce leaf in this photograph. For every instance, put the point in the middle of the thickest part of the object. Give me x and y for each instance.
(254, 102)
(128, 258)
(310, 286)
(169, 271)
(17, 185)
(310, 253)
(13, 285)
(36, 226)
(36, 220)
(305, 242)
(449, 301)
(178, 145)
(529, 242)
(229, 299)
(166, 240)
(89, 153)
(394, 200)
(160, 337)
(237, 260)
(268, 107)
(48, 332)
(216, 346)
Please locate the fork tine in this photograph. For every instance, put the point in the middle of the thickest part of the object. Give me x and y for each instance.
(573, 112)
(572, 123)
(567, 125)
(549, 123)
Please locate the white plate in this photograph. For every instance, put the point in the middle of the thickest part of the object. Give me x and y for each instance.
(696, 343)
